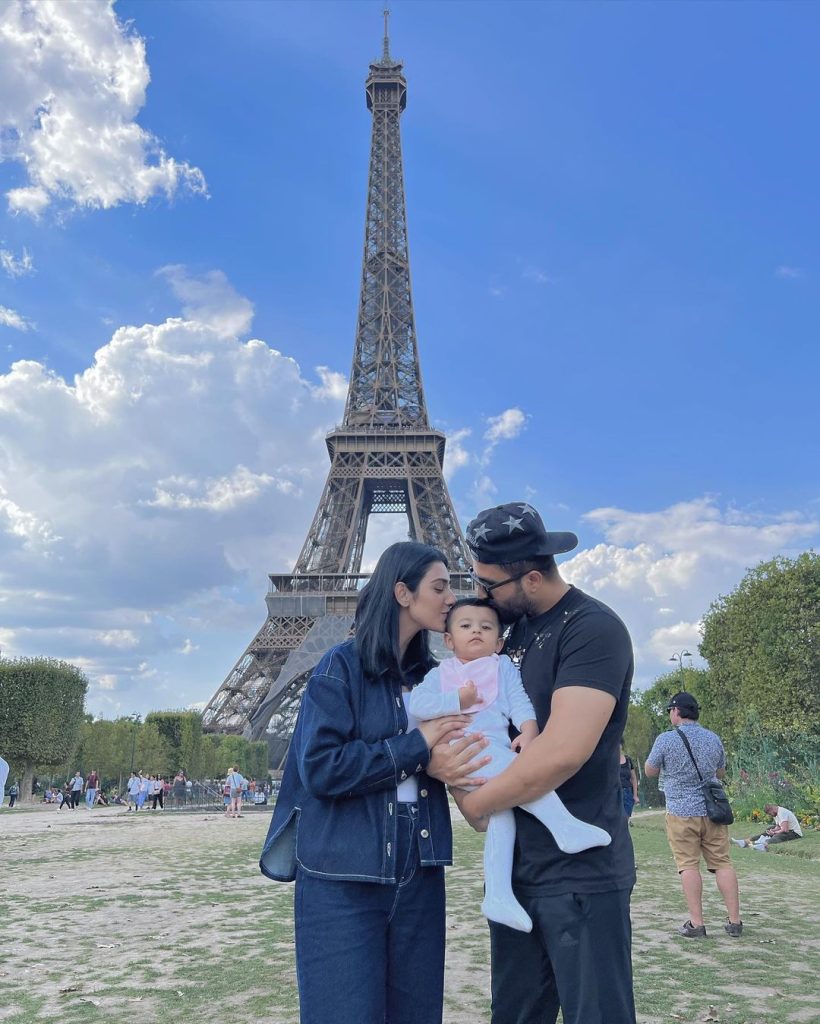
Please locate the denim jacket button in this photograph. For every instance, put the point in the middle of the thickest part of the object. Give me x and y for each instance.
(401, 732)
(424, 834)
(422, 792)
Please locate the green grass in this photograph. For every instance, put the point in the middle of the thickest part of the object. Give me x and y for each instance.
(199, 937)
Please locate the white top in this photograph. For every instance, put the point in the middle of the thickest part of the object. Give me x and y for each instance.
(4, 774)
(786, 817)
(510, 705)
(407, 792)
(77, 784)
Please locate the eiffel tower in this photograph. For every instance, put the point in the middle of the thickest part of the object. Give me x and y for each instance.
(385, 457)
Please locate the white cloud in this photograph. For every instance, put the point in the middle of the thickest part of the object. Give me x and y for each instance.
(73, 79)
(16, 266)
(334, 384)
(11, 318)
(789, 273)
(483, 489)
(139, 499)
(123, 639)
(653, 566)
(506, 426)
(456, 455)
(537, 276)
(220, 494)
(107, 681)
(210, 299)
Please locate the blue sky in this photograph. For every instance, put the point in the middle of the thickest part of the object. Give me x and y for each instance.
(613, 218)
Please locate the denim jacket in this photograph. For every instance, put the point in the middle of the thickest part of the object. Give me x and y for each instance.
(335, 816)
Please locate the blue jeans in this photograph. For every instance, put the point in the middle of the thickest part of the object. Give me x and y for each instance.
(89, 797)
(629, 802)
(369, 953)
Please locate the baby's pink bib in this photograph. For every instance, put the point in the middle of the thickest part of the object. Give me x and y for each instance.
(483, 672)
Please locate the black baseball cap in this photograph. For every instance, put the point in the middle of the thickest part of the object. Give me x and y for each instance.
(684, 702)
(514, 533)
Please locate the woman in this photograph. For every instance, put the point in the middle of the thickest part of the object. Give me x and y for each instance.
(362, 820)
(629, 782)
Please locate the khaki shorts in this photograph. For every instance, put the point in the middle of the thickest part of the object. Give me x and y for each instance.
(691, 837)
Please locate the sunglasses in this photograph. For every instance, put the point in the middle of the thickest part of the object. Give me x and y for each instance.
(488, 586)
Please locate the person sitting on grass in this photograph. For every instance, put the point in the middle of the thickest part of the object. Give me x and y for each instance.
(784, 828)
(479, 682)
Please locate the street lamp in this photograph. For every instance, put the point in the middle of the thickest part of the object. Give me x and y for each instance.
(678, 657)
(136, 719)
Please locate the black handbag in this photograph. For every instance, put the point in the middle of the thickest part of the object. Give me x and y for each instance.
(718, 808)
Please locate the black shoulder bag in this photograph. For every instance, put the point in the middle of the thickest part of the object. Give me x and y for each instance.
(718, 808)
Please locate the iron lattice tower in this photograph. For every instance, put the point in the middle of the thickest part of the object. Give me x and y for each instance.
(385, 457)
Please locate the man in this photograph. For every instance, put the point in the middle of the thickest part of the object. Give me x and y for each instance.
(76, 789)
(575, 658)
(690, 833)
(784, 828)
(91, 786)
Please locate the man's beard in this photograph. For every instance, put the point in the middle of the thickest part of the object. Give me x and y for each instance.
(512, 610)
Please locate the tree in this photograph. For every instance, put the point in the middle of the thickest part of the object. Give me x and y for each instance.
(182, 732)
(41, 713)
(762, 642)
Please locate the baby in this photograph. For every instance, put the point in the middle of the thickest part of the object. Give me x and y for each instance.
(478, 681)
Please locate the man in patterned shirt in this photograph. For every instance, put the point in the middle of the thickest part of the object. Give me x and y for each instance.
(690, 833)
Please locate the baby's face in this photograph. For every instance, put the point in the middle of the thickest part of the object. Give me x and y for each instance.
(474, 633)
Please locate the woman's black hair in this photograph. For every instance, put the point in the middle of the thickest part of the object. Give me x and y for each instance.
(377, 612)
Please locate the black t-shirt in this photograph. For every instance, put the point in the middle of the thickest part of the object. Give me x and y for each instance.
(626, 774)
(578, 642)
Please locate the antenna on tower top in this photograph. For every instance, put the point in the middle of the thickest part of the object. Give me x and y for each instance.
(386, 54)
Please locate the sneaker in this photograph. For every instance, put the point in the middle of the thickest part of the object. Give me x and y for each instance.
(734, 929)
(740, 842)
(692, 931)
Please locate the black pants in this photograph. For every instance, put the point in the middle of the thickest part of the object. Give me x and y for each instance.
(75, 798)
(578, 958)
(12, 799)
(157, 797)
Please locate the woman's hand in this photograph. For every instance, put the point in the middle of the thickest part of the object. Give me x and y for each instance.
(441, 730)
(454, 763)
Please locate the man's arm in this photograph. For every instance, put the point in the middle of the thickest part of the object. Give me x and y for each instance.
(654, 762)
(578, 717)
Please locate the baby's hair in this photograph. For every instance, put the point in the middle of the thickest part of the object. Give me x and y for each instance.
(472, 602)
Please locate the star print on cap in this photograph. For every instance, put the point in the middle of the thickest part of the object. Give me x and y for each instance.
(514, 533)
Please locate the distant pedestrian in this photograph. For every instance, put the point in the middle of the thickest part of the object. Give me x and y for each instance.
(133, 788)
(64, 797)
(690, 831)
(629, 782)
(76, 789)
(157, 793)
(234, 781)
(179, 789)
(14, 792)
(142, 792)
(4, 774)
(92, 784)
